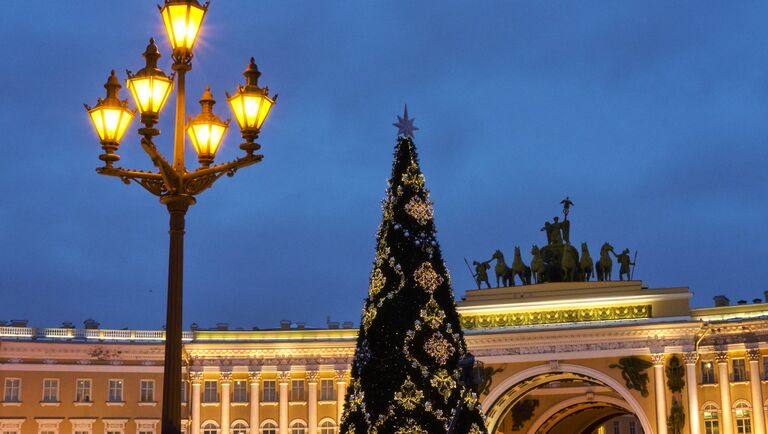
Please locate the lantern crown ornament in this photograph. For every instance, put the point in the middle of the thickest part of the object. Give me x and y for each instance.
(206, 130)
(150, 86)
(251, 105)
(110, 117)
(183, 19)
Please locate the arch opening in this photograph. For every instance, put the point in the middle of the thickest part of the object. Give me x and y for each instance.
(564, 398)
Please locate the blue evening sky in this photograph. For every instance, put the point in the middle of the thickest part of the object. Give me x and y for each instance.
(652, 116)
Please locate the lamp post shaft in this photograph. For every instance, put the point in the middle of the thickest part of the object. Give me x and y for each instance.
(178, 133)
(171, 417)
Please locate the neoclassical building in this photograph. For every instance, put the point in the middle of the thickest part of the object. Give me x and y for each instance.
(561, 358)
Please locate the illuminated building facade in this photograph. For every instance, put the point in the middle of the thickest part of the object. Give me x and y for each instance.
(564, 358)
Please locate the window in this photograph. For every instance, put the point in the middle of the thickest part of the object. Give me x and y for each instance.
(83, 390)
(616, 427)
(269, 394)
(12, 390)
(115, 393)
(327, 427)
(239, 428)
(297, 390)
(241, 391)
(711, 419)
(743, 420)
(298, 428)
(184, 391)
(632, 427)
(210, 392)
(326, 390)
(269, 427)
(707, 372)
(147, 391)
(739, 370)
(51, 390)
(765, 368)
(210, 427)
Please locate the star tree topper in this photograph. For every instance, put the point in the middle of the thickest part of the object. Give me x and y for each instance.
(404, 125)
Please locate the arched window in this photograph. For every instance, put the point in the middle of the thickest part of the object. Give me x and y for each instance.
(711, 419)
(327, 427)
(298, 427)
(743, 417)
(268, 428)
(210, 428)
(239, 427)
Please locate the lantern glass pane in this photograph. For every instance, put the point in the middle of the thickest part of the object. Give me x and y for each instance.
(141, 89)
(252, 108)
(266, 106)
(98, 122)
(236, 103)
(161, 88)
(125, 120)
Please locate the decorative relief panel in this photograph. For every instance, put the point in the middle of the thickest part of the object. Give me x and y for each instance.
(470, 321)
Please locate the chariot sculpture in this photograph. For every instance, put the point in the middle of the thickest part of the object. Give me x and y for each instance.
(557, 261)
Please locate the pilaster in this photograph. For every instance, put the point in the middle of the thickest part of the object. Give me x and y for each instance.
(692, 386)
(660, 392)
(724, 382)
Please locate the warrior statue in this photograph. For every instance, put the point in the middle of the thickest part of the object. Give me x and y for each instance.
(481, 272)
(624, 263)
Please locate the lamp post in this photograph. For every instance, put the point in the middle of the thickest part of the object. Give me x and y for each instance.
(472, 377)
(172, 182)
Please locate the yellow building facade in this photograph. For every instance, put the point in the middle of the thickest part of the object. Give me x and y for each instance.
(561, 358)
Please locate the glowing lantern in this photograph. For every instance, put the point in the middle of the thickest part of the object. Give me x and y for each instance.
(183, 19)
(150, 86)
(206, 130)
(251, 105)
(110, 118)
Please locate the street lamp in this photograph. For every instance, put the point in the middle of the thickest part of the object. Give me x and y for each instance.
(472, 377)
(172, 182)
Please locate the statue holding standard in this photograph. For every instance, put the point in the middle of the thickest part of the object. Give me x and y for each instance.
(481, 272)
(624, 263)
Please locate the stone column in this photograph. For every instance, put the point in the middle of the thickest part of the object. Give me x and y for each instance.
(660, 393)
(196, 379)
(693, 391)
(312, 400)
(254, 378)
(283, 377)
(757, 391)
(225, 379)
(341, 392)
(724, 381)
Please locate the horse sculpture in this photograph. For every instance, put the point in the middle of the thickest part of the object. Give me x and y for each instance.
(504, 274)
(568, 264)
(537, 264)
(605, 264)
(519, 269)
(586, 262)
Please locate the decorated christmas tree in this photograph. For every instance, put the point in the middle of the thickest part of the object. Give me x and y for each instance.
(405, 375)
